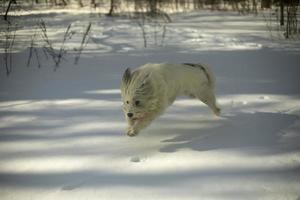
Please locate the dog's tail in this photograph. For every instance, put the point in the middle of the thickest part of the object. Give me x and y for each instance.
(207, 71)
(209, 75)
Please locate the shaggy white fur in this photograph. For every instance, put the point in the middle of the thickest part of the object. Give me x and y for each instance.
(151, 88)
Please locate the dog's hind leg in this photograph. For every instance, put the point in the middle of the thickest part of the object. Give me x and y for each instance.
(210, 100)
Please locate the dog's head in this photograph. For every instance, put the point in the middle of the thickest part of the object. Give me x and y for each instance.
(137, 93)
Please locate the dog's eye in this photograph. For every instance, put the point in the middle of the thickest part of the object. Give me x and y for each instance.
(137, 103)
(127, 102)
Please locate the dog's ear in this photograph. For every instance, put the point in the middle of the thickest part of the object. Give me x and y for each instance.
(146, 79)
(126, 76)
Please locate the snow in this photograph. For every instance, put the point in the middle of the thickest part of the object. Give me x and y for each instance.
(62, 132)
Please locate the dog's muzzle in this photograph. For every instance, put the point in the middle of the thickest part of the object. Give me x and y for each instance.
(129, 115)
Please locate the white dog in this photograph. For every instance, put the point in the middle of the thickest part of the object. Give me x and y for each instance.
(151, 88)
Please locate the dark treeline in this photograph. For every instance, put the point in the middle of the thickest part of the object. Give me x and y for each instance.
(153, 5)
(286, 12)
(151, 16)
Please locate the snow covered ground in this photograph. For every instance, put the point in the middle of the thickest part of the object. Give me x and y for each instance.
(62, 132)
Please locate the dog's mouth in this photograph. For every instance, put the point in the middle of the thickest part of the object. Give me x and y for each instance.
(134, 119)
(139, 118)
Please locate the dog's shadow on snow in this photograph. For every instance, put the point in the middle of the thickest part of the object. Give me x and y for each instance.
(252, 132)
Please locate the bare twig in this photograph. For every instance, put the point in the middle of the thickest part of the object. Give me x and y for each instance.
(45, 53)
(62, 50)
(158, 21)
(163, 35)
(31, 48)
(37, 57)
(8, 46)
(8, 8)
(11, 47)
(49, 50)
(83, 42)
(268, 24)
(142, 26)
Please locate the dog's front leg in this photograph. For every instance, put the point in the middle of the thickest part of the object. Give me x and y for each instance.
(135, 127)
(130, 131)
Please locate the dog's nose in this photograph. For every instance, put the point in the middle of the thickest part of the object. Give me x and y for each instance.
(129, 114)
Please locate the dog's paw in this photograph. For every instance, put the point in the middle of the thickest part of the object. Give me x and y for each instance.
(131, 132)
(218, 112)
